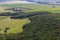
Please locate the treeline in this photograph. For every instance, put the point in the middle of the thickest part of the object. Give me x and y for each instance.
(22, 15)
(45, 26)
(28, 15)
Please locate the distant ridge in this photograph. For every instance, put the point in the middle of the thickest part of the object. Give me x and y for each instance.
(42, 2)
(58, 2)
(17, 2)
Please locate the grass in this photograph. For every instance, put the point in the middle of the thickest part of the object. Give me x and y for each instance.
(15, 25)
(3, 17)
(36, 7)
(2, 9)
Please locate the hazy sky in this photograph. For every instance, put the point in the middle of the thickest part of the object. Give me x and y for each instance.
(50, 0)
(36, 0)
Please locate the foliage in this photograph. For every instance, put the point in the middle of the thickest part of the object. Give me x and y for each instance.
(42, 27)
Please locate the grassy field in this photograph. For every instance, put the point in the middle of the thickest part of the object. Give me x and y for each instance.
(36, 7)
(14, 25)
(2, 9)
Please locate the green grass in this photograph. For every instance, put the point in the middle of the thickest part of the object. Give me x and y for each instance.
(14, 25)
(3, 17)
(36, 7)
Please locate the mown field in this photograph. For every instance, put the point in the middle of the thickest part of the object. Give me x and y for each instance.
(36, 7)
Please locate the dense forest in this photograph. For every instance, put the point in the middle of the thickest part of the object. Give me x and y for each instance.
(43, 26)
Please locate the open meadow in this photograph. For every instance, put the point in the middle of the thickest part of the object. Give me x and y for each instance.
(16, 25)
(29, 22)
(36, 7)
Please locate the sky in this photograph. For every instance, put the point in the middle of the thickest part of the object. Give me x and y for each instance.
(49, 0)
(35, 0)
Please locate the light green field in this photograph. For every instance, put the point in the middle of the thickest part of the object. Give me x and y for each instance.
(2, 9)
(36, 7)
(14, 25)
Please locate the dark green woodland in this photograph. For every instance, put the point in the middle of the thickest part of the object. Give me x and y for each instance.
(43, 26)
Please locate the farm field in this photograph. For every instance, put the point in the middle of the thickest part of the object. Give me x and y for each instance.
(36, 7)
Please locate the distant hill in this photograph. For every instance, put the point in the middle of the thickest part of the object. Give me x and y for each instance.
(16, 2)
(58, 2)
(43, 2)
